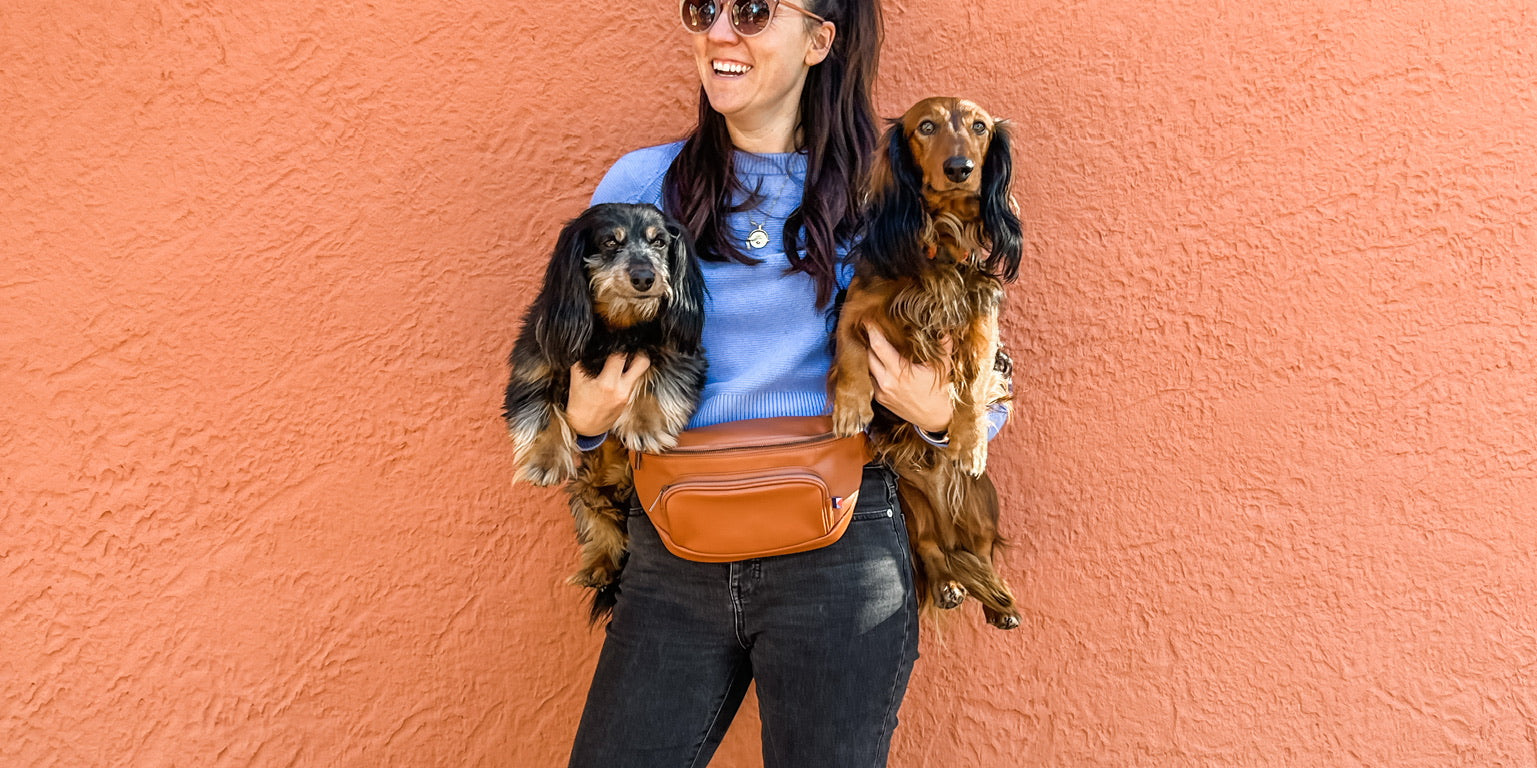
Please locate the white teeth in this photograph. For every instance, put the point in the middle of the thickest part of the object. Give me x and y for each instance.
(729, 68)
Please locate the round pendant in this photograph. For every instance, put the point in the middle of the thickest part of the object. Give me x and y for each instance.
(757, 238)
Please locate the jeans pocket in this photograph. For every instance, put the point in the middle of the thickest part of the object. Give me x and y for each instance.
(879, 513)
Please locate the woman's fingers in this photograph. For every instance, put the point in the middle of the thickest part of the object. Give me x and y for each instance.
(630, 370)
(595, 402)
(884, 358)
(918, 393)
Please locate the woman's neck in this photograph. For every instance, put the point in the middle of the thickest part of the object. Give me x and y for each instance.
(774, 136)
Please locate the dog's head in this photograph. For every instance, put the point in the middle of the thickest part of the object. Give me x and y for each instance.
(621, 265)
(944, 156)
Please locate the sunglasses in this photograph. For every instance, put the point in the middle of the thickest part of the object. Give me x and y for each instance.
(748, 17)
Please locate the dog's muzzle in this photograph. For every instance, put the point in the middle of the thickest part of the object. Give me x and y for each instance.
(959, 168)
(642, 275)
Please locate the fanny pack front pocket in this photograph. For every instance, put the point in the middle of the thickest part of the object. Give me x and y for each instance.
(750, 489)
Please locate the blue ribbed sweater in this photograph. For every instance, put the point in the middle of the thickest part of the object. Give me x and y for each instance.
(766, 341)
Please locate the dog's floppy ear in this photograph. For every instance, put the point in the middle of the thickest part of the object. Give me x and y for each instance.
(999, 222)
(683, 322)
(896, 219)
(563, 312)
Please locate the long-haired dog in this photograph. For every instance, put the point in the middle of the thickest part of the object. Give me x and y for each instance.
(941, 240)
(622, 279)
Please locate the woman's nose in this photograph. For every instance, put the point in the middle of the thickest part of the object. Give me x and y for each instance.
(722, 31)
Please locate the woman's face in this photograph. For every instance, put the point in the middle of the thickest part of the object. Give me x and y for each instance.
(755, 82)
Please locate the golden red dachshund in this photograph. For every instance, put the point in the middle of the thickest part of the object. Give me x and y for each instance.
(941, 241)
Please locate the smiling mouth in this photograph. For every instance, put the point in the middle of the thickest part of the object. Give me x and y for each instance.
(730, 68)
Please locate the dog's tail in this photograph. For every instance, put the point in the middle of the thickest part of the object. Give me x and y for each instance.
(601, 606)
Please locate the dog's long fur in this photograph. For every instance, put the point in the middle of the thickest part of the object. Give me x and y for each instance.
(622, 279)
(929, 274)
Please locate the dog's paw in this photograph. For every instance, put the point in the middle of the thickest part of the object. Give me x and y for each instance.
(852, 420)
(547, 457)
(949, 595)
(547, 474)
(1008, 620)
(595, 576)
(648, 442)
(970, 459)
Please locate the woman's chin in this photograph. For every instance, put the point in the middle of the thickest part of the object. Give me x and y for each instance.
(726, 100)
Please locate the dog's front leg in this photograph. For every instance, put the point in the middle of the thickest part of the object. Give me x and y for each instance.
(976, 351)
(853, 389)
(543, 443)
(664, 400)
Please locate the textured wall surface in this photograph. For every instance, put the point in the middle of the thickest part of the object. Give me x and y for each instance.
(1272, 478)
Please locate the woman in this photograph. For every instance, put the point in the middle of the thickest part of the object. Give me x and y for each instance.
(785, 134)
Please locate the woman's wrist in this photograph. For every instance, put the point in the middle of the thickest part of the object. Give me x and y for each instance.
(585, 419)
(933, 418)
(933, 438)
(586, 424)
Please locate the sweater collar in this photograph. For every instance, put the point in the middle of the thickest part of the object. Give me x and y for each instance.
(770, 163)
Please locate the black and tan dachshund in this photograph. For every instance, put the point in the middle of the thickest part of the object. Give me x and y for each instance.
(622, 279)
(942, 238)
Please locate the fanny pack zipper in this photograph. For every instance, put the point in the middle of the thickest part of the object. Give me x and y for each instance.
(827, 438)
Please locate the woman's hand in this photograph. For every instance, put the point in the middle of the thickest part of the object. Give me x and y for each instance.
(594, 403)
(918, 393)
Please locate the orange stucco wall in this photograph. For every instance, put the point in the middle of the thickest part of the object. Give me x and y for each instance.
(1272, 477)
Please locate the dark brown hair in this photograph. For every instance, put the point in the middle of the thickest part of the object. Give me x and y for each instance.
(837, 133)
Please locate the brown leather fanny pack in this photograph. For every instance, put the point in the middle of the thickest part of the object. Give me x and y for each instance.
(752, 488)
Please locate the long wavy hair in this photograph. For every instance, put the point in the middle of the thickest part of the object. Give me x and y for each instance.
(838, 133)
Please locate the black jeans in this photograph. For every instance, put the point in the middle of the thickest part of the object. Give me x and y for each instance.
(829, 635)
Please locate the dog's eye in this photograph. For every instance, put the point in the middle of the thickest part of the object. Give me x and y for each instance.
(927, 127)
(610, 242)
(659, 241)
(979, 127)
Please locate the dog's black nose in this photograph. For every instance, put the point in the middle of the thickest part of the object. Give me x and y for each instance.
(642, 278)
(958, 169)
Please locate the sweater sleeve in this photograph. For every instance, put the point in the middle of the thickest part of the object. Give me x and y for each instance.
(636, 177)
